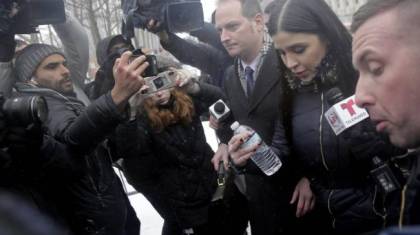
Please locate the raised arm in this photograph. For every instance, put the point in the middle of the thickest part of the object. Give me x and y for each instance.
(76, 47)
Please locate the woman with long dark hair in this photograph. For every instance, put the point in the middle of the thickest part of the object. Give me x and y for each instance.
(315, 49)
(167, 158)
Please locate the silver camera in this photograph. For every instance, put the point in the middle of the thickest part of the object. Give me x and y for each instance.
(162, 81)
(219, 110)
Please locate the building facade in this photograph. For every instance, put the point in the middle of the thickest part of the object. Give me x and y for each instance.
(345, 8)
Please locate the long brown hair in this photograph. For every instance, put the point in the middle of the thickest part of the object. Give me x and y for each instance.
(181, 110)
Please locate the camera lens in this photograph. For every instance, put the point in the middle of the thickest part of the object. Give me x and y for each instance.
(39, 109)
(158, 82)
(26, 110)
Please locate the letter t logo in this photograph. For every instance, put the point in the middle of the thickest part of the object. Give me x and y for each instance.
(349, 107)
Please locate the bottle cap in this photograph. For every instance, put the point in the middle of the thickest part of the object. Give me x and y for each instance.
(234, 126)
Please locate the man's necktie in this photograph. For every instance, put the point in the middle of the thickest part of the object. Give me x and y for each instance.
(249, 77)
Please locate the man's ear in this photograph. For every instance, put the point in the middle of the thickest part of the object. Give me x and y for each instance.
(33, 80)
(259, 22)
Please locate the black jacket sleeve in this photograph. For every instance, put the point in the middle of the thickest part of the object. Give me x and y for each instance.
(57, 159)
(89, 128)
(204, 57)
(207, 95)
(208, 34)
(224, 133)
(279, 143)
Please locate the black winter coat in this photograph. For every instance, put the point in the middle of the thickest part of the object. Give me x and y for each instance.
(339, 176)
(172, 168)
(32, 170)
(411, 195)
(267, 197)
(93, 199)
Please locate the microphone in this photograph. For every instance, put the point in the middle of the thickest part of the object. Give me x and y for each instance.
(219, 110)
(344, 113)
(364, 143)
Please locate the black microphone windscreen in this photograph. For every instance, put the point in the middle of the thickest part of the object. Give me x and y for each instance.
(219, 108)
(334, 95)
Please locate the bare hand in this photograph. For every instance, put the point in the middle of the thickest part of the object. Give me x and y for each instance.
(154, 26)
(304, 197)
(221, 155)
(213, 123)
(183, 77)
(185, 80)
(128, 80)
(240, 155)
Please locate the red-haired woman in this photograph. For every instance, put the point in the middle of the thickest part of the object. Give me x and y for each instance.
(167, 158)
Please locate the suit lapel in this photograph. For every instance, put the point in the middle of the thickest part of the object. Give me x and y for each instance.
(268, 77)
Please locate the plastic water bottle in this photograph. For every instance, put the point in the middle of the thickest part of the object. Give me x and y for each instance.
(264, 157)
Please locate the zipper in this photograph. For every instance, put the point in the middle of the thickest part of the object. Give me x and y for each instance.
(384, 215)
(330, 209)
(402, 207)
(324, 161)
(95, 188)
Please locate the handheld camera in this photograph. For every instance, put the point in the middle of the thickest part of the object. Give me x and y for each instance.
(152, 69)
(22, 111)
(162, 81)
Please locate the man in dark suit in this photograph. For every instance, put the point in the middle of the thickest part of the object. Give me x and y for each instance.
(253, 89)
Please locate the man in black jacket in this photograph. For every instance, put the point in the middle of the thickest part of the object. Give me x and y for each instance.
(93, 200)
(387, 54)
(254, 90)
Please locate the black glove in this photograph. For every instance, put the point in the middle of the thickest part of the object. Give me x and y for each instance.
(24, 141)
(7, 36)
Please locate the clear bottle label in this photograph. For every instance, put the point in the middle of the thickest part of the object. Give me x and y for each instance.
(264, 157)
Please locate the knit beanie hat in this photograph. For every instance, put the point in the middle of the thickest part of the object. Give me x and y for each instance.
(30, 57)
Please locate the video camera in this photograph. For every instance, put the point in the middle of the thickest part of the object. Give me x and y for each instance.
(30, 14)
(176, 15)
(23, 111)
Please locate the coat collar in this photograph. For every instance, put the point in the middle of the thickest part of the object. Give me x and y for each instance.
(268, 77)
